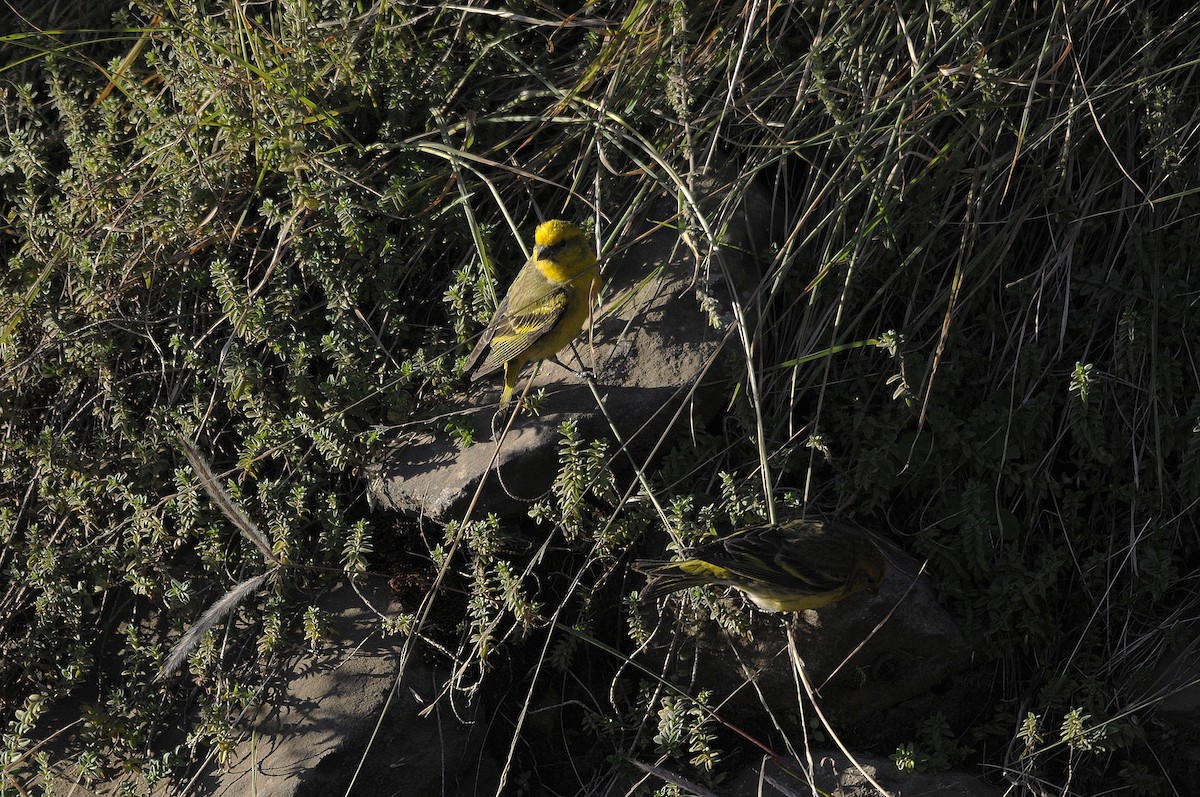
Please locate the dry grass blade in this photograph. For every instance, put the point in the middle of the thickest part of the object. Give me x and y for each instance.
(670, 777)
(225, 502)
(217, 612)
(798, 668)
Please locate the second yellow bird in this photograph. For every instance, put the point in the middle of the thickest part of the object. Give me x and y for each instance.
(795, 565)
(545, 306)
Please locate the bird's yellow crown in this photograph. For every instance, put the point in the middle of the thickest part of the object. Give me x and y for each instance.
(561, 252)
(555, 231)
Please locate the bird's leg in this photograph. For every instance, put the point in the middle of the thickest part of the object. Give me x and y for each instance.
(582, 371)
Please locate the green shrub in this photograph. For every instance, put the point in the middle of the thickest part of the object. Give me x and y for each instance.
(976, 327)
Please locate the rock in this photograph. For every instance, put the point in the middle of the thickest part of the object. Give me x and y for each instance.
(828, 772)
(653, 345)
(836, 774)
(309, 737)
(906, 670)
(1169, 702)
(1174, 689)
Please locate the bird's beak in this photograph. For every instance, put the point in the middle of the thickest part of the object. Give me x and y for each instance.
(541, 252)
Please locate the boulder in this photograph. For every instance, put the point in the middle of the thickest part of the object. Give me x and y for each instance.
(878, 663)
(835, 774)
(662, 326)
(317, 731)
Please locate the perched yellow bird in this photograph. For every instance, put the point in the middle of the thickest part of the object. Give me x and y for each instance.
(797, 564)
(545, 307)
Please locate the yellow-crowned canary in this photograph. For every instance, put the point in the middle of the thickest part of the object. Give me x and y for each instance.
(545, 307)
(797, 564)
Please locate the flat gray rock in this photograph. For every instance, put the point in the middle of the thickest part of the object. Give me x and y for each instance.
(658, 333)
(315, 730)
(875, 661)
(835, 774)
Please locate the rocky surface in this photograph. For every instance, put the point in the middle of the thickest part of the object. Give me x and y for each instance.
(824, 772)
(654, 342)
(341, 717)
(1171, 699)
(835, 774)
(329, 723)
(652, 350)
(878, 663)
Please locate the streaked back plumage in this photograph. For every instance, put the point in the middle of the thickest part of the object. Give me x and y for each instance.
(797, 564)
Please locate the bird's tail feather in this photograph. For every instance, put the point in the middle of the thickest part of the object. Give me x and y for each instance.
(665, 578)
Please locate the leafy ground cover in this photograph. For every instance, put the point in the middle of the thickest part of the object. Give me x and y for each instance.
(224, 221)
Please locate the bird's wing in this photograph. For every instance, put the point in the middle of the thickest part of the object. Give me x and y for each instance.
(519, 329)
(516, 330)
(778, 558)
(485, 339)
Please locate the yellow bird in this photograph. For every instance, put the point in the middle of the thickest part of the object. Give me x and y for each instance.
(798, 564)
(545, 306)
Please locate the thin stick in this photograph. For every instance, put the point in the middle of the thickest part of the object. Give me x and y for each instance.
(798, 665)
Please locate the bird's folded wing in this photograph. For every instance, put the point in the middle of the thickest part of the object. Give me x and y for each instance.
(516, 332)
(754, 558)
(485, 339)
